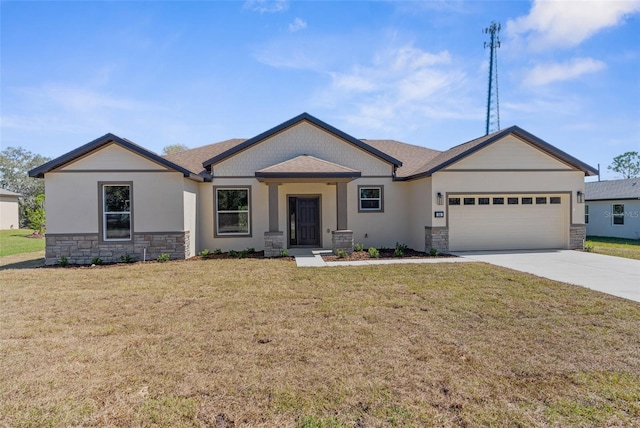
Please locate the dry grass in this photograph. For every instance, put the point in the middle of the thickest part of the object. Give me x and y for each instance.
(263, 343)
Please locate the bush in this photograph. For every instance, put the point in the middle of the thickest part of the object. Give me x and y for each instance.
(243, 253)
(284, 253)
(126, 258)
(233, 254)
(204, 253)
(374, 253)
(358, 247)
(251, 250)
(164, 257)
(96, 261)
(217, 251)
(434, 252)
(400, 250)
(341, 253)
(588, 247)
(64, 262)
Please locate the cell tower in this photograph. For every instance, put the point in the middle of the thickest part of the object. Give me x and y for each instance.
(493, 104)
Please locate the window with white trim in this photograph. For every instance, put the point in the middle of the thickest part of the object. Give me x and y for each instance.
(618, 214)
(586, 214)
(370, 198)
(116, 212)
(232, 211)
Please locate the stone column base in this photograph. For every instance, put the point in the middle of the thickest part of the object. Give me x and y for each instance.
(577, 235)
(436, 237)
(342, 240)
(273, 244)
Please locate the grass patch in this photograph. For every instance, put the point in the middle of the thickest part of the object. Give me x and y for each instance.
(15, 241)
(619, 247)
(261, 343)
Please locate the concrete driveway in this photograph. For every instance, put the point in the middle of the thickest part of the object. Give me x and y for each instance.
(613, 275)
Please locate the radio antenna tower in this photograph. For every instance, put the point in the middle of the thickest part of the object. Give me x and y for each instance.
(493, 104)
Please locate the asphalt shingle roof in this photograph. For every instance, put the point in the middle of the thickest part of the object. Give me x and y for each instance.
(612, 189)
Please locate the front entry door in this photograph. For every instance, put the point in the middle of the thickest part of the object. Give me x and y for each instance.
(305, 221)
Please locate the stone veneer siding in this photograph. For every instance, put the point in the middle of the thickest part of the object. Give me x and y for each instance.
(82, 248)
(436, 237)
(342, 240)
(577, 235)
(273, 244)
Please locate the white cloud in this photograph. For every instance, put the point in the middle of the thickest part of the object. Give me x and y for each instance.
(548, 73)
(297, 25)
(568, 23)
(268, 6)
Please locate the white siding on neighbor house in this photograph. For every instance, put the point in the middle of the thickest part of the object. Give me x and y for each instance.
(112, 157)
(301, 139)
(509, 153)
(73, 207)
(9, 217)
(601, 219)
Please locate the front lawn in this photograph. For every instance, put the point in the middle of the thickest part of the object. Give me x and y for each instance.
(17, 241)
(263, 343)
(619, 247)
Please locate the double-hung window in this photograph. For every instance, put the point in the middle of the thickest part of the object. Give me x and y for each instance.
(116, 212)
(618, 214)
(233, 211)
(370, 198)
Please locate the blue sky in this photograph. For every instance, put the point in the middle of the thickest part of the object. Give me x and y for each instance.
(194, 73)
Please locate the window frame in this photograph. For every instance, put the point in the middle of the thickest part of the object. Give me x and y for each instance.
(455, 201)
(102, 213)
(216, 229)
(380, 209)
(586, 213)
(615, 216)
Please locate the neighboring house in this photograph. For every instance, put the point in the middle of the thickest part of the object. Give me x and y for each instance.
(305, 183)
(612, 208)
(9, 210)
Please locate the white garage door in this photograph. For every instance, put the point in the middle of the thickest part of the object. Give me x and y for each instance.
(508, 222)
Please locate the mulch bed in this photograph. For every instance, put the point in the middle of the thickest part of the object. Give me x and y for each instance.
(385, 253)
(239, 255)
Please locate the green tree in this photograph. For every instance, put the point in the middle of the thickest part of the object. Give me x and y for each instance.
(15, 163)
(36, 215)
(627, 164)
(174, 148)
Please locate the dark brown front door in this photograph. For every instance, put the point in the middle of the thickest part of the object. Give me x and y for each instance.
(306, 219)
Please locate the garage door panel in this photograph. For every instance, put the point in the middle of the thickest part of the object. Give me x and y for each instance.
(508, 227)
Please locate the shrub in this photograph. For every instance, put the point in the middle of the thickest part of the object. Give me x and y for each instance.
(126, 258)
(358, 247)
(217, 251)
(400, 250)
(284, 253)
(434, 252)
(164, 257)
(341, 253)
(374, 253)
(251, 250)
(204, 253)
(64, 262)
(588, 247)
(243, 253)
(233, 254)
(96, 261)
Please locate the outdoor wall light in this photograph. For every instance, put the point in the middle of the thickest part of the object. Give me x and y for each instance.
(440, 199)
(580, 196)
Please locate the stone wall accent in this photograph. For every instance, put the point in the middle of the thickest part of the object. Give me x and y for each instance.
(273, 244)
(577, 235)
(342, 240)
(436, 237)
(82, 248)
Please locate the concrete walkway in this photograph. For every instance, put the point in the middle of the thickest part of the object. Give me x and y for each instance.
(313, 258)
(612, 275)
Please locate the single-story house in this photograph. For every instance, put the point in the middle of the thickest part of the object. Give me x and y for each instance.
(305, 183)
(9, 210)
(612, 208)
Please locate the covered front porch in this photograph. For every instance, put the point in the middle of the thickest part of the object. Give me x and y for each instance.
(307, 205)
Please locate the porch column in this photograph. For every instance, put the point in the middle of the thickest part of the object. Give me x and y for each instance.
(273, 239)
(273, 207)
(342, 238)
(341, 202)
